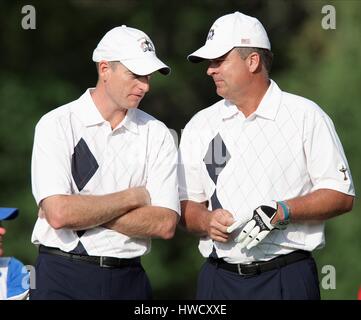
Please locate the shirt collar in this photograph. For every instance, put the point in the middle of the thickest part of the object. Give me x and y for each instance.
(267, 108)
(270, 102)
(130, 121)
(89, 114)
(228, 110)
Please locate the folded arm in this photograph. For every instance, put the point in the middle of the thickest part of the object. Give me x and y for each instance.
(146, 222)
(87, 211)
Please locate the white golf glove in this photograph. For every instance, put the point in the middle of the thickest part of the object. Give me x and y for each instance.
(258, 227)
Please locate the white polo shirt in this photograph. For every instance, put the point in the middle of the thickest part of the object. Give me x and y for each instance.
(76, 152)
(287, 148)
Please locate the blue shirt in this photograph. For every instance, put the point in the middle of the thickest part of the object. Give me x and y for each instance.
(14, 278)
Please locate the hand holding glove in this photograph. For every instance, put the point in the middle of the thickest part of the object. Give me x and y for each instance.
(260, 225)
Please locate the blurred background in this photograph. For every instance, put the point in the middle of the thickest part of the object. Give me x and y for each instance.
(51, 65)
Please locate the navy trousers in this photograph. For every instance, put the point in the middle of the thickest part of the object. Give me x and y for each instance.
(58, 278)
(296, 281)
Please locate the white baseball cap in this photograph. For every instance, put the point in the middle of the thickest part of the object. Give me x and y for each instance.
(229, 31)
(133, 48)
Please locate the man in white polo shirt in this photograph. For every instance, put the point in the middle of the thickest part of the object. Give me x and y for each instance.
(104, 177)
(259, 172)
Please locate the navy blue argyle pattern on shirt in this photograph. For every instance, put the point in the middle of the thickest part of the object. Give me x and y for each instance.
(83, 164)
(216, 159)
(83, 167)
(79, 249)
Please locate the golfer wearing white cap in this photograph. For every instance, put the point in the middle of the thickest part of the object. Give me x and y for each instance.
(259, 173)
(14, 284)
(104, 178)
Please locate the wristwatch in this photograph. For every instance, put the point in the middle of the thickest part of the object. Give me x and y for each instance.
(282, 224)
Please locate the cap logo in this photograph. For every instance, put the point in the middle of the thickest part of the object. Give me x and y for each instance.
(146, 45)
(210, 34)
(245, 41)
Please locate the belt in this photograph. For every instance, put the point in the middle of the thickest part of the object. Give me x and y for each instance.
(261, 266)
(105, 262)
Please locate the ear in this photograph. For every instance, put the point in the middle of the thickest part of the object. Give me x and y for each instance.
(254, 62)
(104, 70)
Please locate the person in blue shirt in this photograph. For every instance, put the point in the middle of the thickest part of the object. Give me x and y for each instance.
(14, 279)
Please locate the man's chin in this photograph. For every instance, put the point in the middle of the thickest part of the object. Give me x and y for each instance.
(135, 106)
(134, 103)
(220, 92)
(131, 105)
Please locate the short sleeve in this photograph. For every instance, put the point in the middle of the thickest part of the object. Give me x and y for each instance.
(162, 180)
(326, 160)
(189, 168)
(51, 161)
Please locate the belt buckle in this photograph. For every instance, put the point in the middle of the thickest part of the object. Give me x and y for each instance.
(256, 265)
(239, 270)
(102, 262)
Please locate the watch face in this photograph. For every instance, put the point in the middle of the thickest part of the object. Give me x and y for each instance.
(282, 224)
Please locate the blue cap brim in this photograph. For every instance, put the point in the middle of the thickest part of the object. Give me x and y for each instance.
(8, 213)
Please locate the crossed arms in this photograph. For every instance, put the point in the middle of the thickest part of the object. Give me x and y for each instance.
(128, 212)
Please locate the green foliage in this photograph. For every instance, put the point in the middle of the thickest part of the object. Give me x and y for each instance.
(49, 66)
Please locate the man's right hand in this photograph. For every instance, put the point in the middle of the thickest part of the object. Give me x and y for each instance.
(217, 223)
(141, 196)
